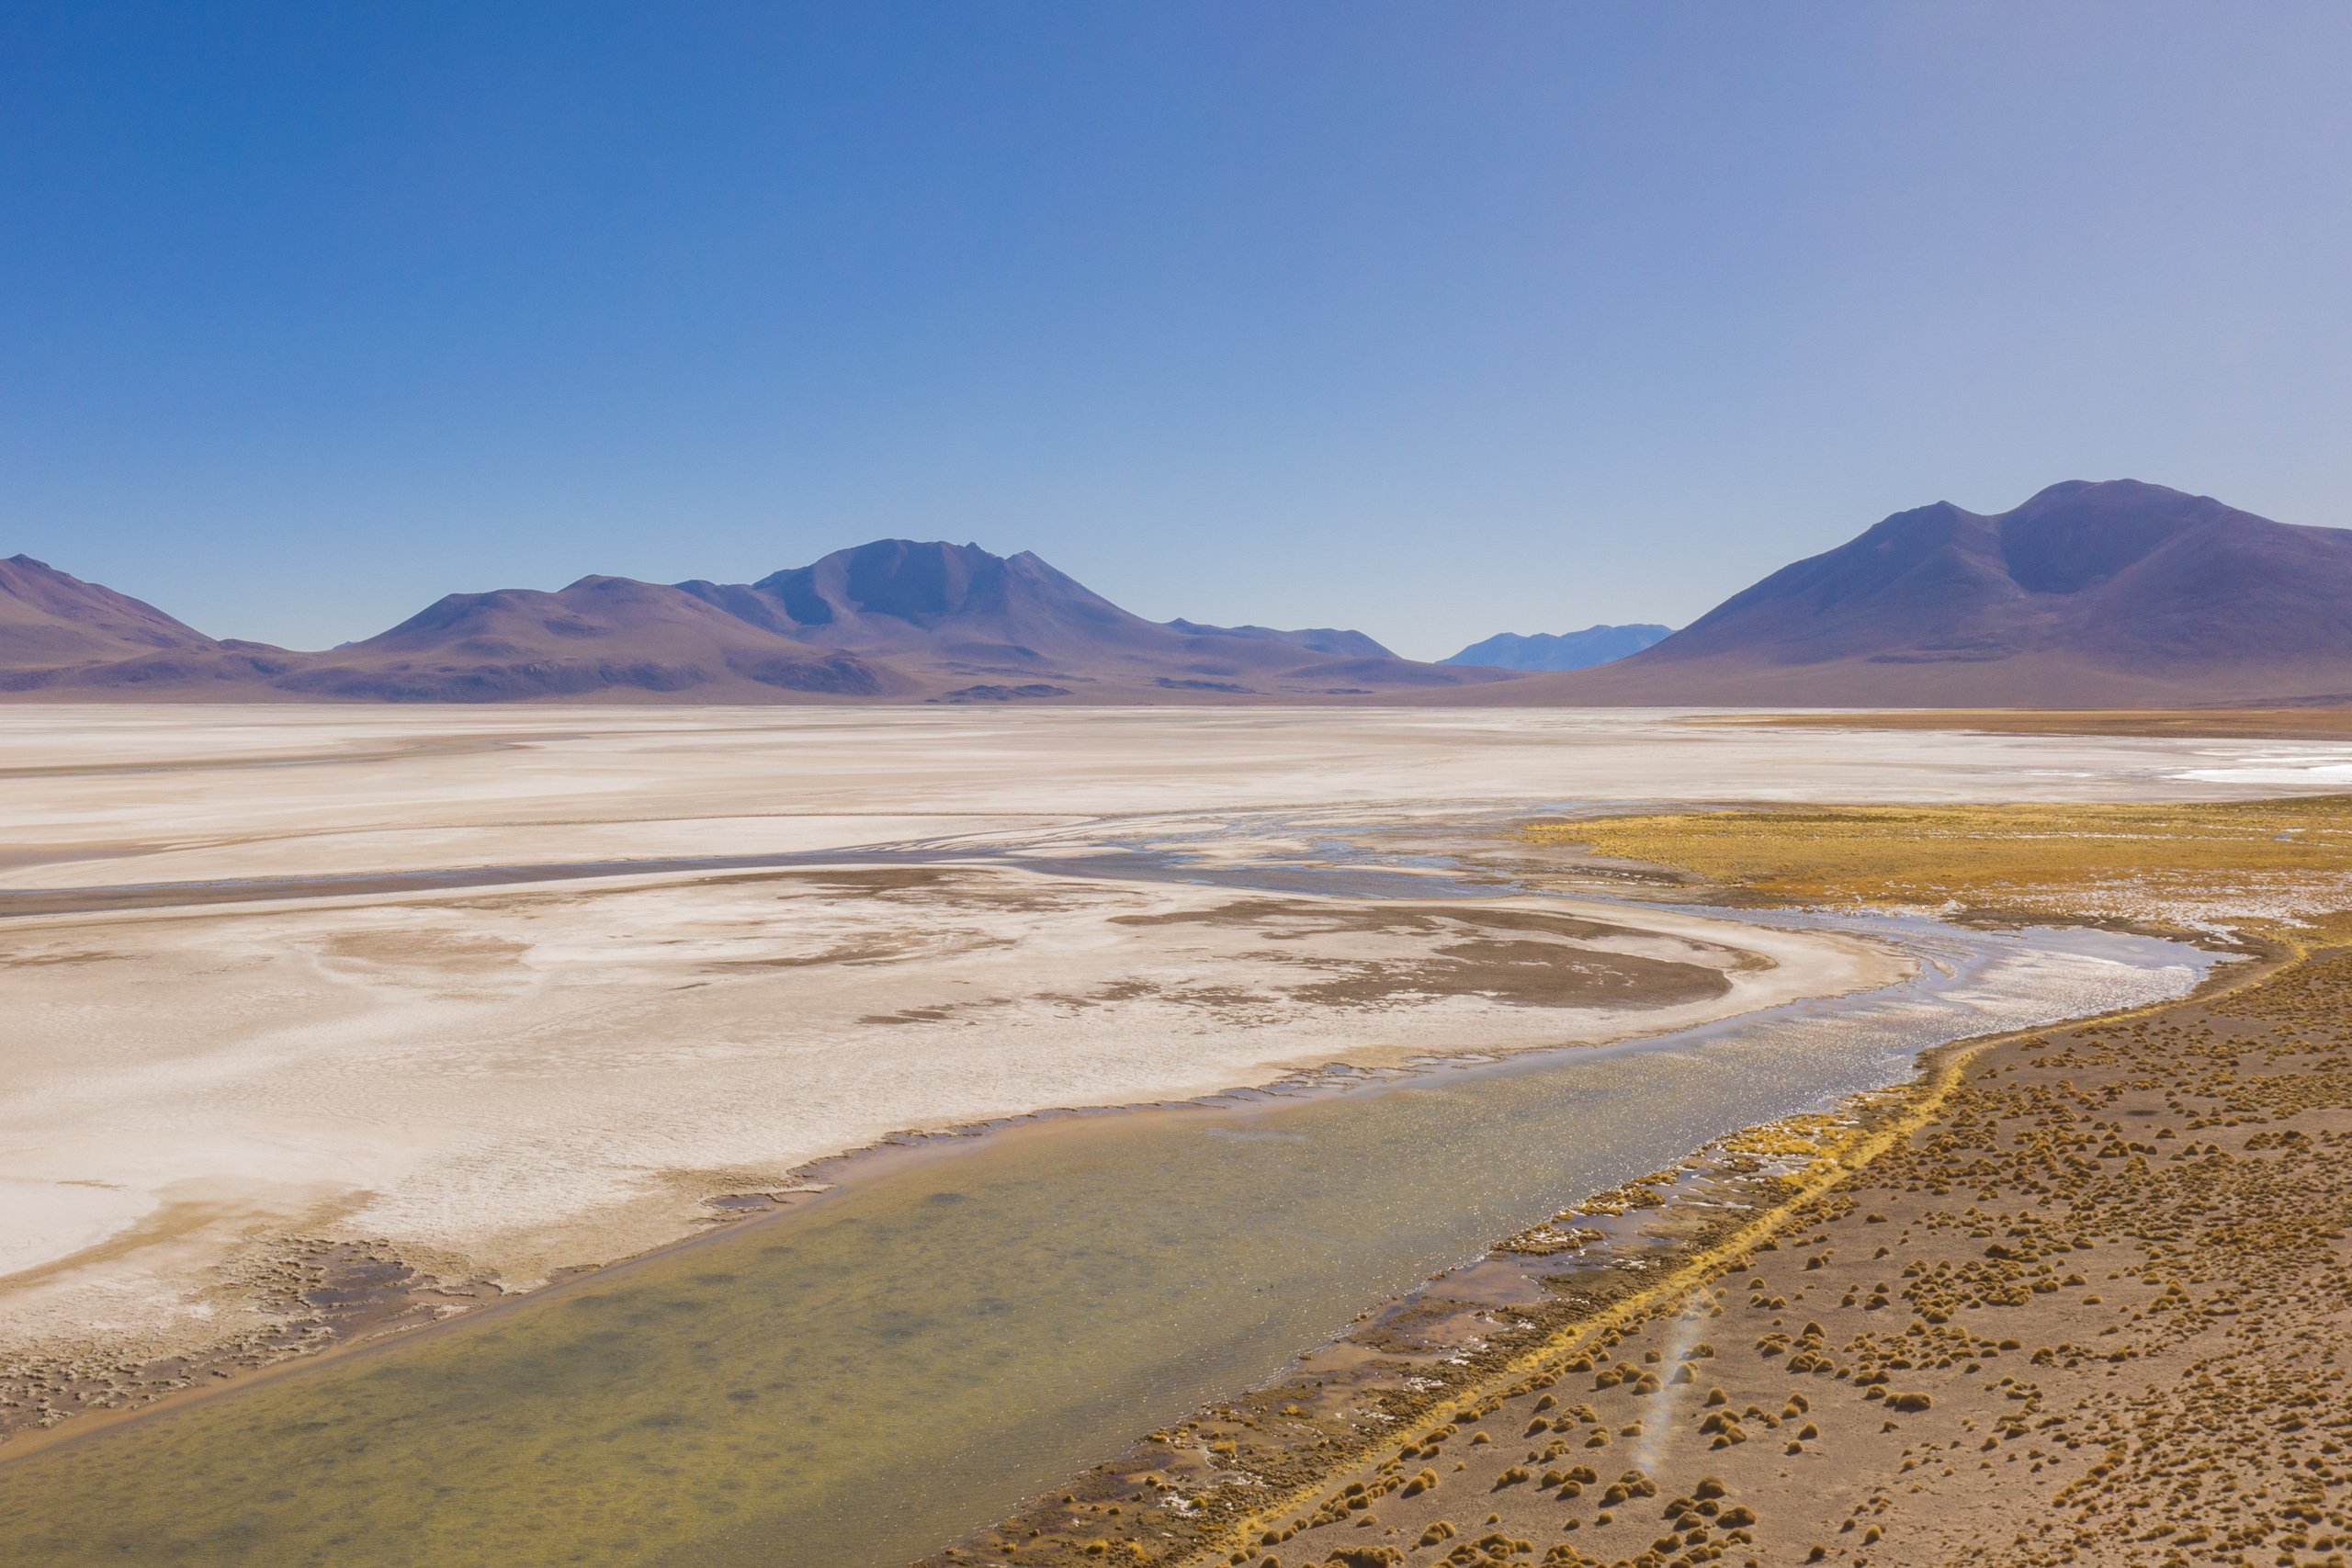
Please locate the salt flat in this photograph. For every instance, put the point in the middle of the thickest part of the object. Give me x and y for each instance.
(500, 1081)
(91, 794)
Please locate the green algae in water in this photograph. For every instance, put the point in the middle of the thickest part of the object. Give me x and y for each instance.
(851, 1385)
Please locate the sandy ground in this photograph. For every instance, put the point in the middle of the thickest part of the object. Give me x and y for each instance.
(499, 1082)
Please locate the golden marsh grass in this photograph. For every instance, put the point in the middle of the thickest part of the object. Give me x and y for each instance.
(2179, 861)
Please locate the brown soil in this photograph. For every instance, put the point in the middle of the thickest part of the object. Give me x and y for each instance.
(1525, 973)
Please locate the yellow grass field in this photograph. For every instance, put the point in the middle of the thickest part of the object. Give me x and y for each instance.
(2169, 863)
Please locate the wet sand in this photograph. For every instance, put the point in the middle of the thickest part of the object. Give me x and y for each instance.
(498, 1087)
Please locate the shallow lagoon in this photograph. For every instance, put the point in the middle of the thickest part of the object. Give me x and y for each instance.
(852, 1384)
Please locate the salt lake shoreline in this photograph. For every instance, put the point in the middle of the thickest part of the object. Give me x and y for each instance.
(1679, 1227)
(526, 805)
(842, 1175)
(808, 1187)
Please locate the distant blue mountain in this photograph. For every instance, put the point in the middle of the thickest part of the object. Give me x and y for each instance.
(1317, 639)
(1560, 650)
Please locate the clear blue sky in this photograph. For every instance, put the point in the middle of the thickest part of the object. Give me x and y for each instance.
(1437, 320)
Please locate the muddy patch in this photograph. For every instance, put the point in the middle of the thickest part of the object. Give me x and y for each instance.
(1522, 974)
(312, 1295)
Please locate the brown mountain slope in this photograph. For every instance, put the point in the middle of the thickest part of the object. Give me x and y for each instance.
(1333, 640)
(975, 625)
(602, 636)
(68, 638)
(890, 621)
(2088, 595)
(50, 619)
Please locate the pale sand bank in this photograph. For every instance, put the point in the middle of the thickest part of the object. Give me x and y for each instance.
(529, 1080)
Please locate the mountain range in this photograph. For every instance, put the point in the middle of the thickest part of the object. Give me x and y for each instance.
(2115, 594)
(2109, 594)
(1560, 650)
(890, 621)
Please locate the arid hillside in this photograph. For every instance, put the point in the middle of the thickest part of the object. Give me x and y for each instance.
(891, 621)
(2114, 595)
